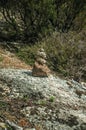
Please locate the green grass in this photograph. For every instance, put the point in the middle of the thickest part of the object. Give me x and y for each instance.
(1, 58)
(28, 53)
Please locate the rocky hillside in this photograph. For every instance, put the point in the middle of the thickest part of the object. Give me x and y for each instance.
(38, 103)
(41, 103)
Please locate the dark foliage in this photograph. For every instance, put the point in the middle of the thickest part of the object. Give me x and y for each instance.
(30, 20)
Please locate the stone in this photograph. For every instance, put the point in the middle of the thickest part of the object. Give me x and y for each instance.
(3, 126)
(41, 54)
(83, 83)
(40, 68)
(41, 61)
(83, 126)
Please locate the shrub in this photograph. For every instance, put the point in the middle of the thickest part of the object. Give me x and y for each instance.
(28, 53)
(66, 53)
(29, 18)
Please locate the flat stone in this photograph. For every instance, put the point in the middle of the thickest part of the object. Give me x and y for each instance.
(41, 54)
(40, 70)
(2, 126)
(41, 61)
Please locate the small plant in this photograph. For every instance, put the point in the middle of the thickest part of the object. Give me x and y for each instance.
(1, 58)
(25, 97)
(9, 128)
(3, 104)
(42, 102)
(52, 98)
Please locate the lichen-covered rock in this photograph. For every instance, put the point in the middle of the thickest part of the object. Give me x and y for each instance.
(3, 126)
(54, 103)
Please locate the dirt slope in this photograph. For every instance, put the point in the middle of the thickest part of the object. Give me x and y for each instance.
(9, 60)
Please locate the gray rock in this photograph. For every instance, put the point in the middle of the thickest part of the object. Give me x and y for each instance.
(3, 126)
(68, 112)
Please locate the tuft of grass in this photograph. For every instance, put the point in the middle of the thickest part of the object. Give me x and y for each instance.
(25, 97)
(1, 58)
(51, 99)
(3, 104)
(42, 102)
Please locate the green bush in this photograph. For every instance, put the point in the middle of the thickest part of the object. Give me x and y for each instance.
(29, 19)
(66, 53)
(28, 53)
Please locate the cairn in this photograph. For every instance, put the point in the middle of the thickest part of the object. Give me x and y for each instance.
(40, 68)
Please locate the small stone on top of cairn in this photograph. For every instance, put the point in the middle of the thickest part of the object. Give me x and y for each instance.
(40, 68)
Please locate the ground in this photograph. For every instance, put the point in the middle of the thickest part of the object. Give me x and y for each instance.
(9, 60)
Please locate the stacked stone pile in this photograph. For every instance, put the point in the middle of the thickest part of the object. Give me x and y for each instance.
(40, 68)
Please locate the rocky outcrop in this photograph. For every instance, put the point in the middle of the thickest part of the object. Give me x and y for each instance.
(47, 102)
(40, 69)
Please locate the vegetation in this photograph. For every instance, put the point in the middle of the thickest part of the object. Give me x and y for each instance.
(30, 20)
(1, 58)
(70, 15)
(66, 54)
(52, 98)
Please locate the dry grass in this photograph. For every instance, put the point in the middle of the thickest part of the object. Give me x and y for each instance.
(11, 61)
